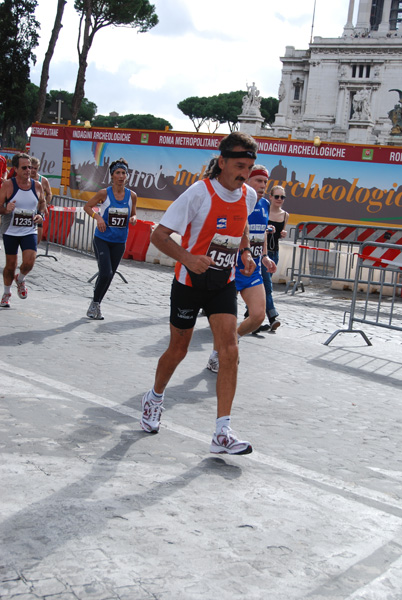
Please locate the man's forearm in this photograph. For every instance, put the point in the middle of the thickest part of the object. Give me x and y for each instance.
(245, 240)
(164, 242)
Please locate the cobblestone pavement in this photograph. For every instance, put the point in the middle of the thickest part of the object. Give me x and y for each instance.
(93, 508)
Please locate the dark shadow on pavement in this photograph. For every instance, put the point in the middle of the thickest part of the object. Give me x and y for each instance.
(77, 510)
(363, 366)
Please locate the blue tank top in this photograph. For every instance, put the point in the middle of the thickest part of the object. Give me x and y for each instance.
(116, 214)
(257, 222)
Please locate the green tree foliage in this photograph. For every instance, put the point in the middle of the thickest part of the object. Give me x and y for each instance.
(269, 108)
(96, 14)
(214, 111)
(132, 122)
(87, 109)
(196, 109)
(18, 38)
(31, 103)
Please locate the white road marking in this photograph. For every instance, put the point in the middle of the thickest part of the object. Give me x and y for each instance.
(359, 492)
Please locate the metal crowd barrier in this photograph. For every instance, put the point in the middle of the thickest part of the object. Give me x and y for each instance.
(379, 277)
(327, 250)
(67, 202)
(68, 226)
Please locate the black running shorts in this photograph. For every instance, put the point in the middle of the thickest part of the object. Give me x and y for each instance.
(25, 242)
(186, 302)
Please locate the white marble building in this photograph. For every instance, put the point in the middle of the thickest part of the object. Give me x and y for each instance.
(338, 89)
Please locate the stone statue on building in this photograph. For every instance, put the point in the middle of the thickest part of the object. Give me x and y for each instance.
(361, 106)
(252, 101)
(281, 92)
(396, 115)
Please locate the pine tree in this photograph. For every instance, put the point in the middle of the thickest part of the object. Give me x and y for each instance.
(48, 57)
(18, 37)
(96, 14)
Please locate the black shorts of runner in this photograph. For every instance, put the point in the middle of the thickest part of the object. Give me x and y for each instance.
(25, 242)
(186, 302)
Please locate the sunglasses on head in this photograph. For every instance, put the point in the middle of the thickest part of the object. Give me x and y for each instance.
(277, 196)
(24, 168)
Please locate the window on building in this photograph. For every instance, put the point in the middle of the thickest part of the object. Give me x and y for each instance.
(361, 71)
(395, 16)
(298, 87)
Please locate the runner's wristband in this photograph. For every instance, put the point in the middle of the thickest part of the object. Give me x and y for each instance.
(244, 250)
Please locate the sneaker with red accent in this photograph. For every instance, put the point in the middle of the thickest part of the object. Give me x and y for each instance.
(21, 288)
(5, 301)
(226, 442)
(151, 414)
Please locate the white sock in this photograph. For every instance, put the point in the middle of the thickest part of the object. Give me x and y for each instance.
(222, 422)
(158, 398)
(7, 289)
(214, 354)
(20, 278)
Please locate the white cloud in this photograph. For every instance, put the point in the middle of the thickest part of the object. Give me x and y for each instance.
(197, 49)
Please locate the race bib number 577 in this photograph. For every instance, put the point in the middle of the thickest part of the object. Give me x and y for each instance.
(118, 217)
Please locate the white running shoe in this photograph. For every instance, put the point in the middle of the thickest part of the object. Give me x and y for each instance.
(5, 301)
(151, 414)
(226, 443)
(213, 363)
(94, 311)
(21, 288)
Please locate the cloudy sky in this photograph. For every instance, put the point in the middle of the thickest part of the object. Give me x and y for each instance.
(197, 49)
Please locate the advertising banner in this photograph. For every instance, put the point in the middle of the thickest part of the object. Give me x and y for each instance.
(47, 144)
(331, 182)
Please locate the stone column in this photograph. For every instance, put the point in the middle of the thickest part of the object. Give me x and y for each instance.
(363, 16)
(386, 12)
(340, 107)
(349, 25)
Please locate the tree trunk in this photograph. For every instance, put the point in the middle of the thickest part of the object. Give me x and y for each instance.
(48, 57)
(79, 91)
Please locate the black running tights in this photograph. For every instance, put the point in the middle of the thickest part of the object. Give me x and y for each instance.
(108, 255)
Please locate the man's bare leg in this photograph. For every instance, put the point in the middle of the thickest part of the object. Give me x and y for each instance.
(223, 327)
(224, 440)
(172, 357)
(254, 297)
(152, 401)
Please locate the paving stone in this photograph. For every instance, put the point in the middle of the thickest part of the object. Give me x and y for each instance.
(94, 508)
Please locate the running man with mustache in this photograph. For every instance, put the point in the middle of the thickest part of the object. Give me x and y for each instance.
(211, 216)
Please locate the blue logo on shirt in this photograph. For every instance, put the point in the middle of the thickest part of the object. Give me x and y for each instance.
(221, 223)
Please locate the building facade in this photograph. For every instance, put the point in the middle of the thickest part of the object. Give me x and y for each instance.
(339, 89)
